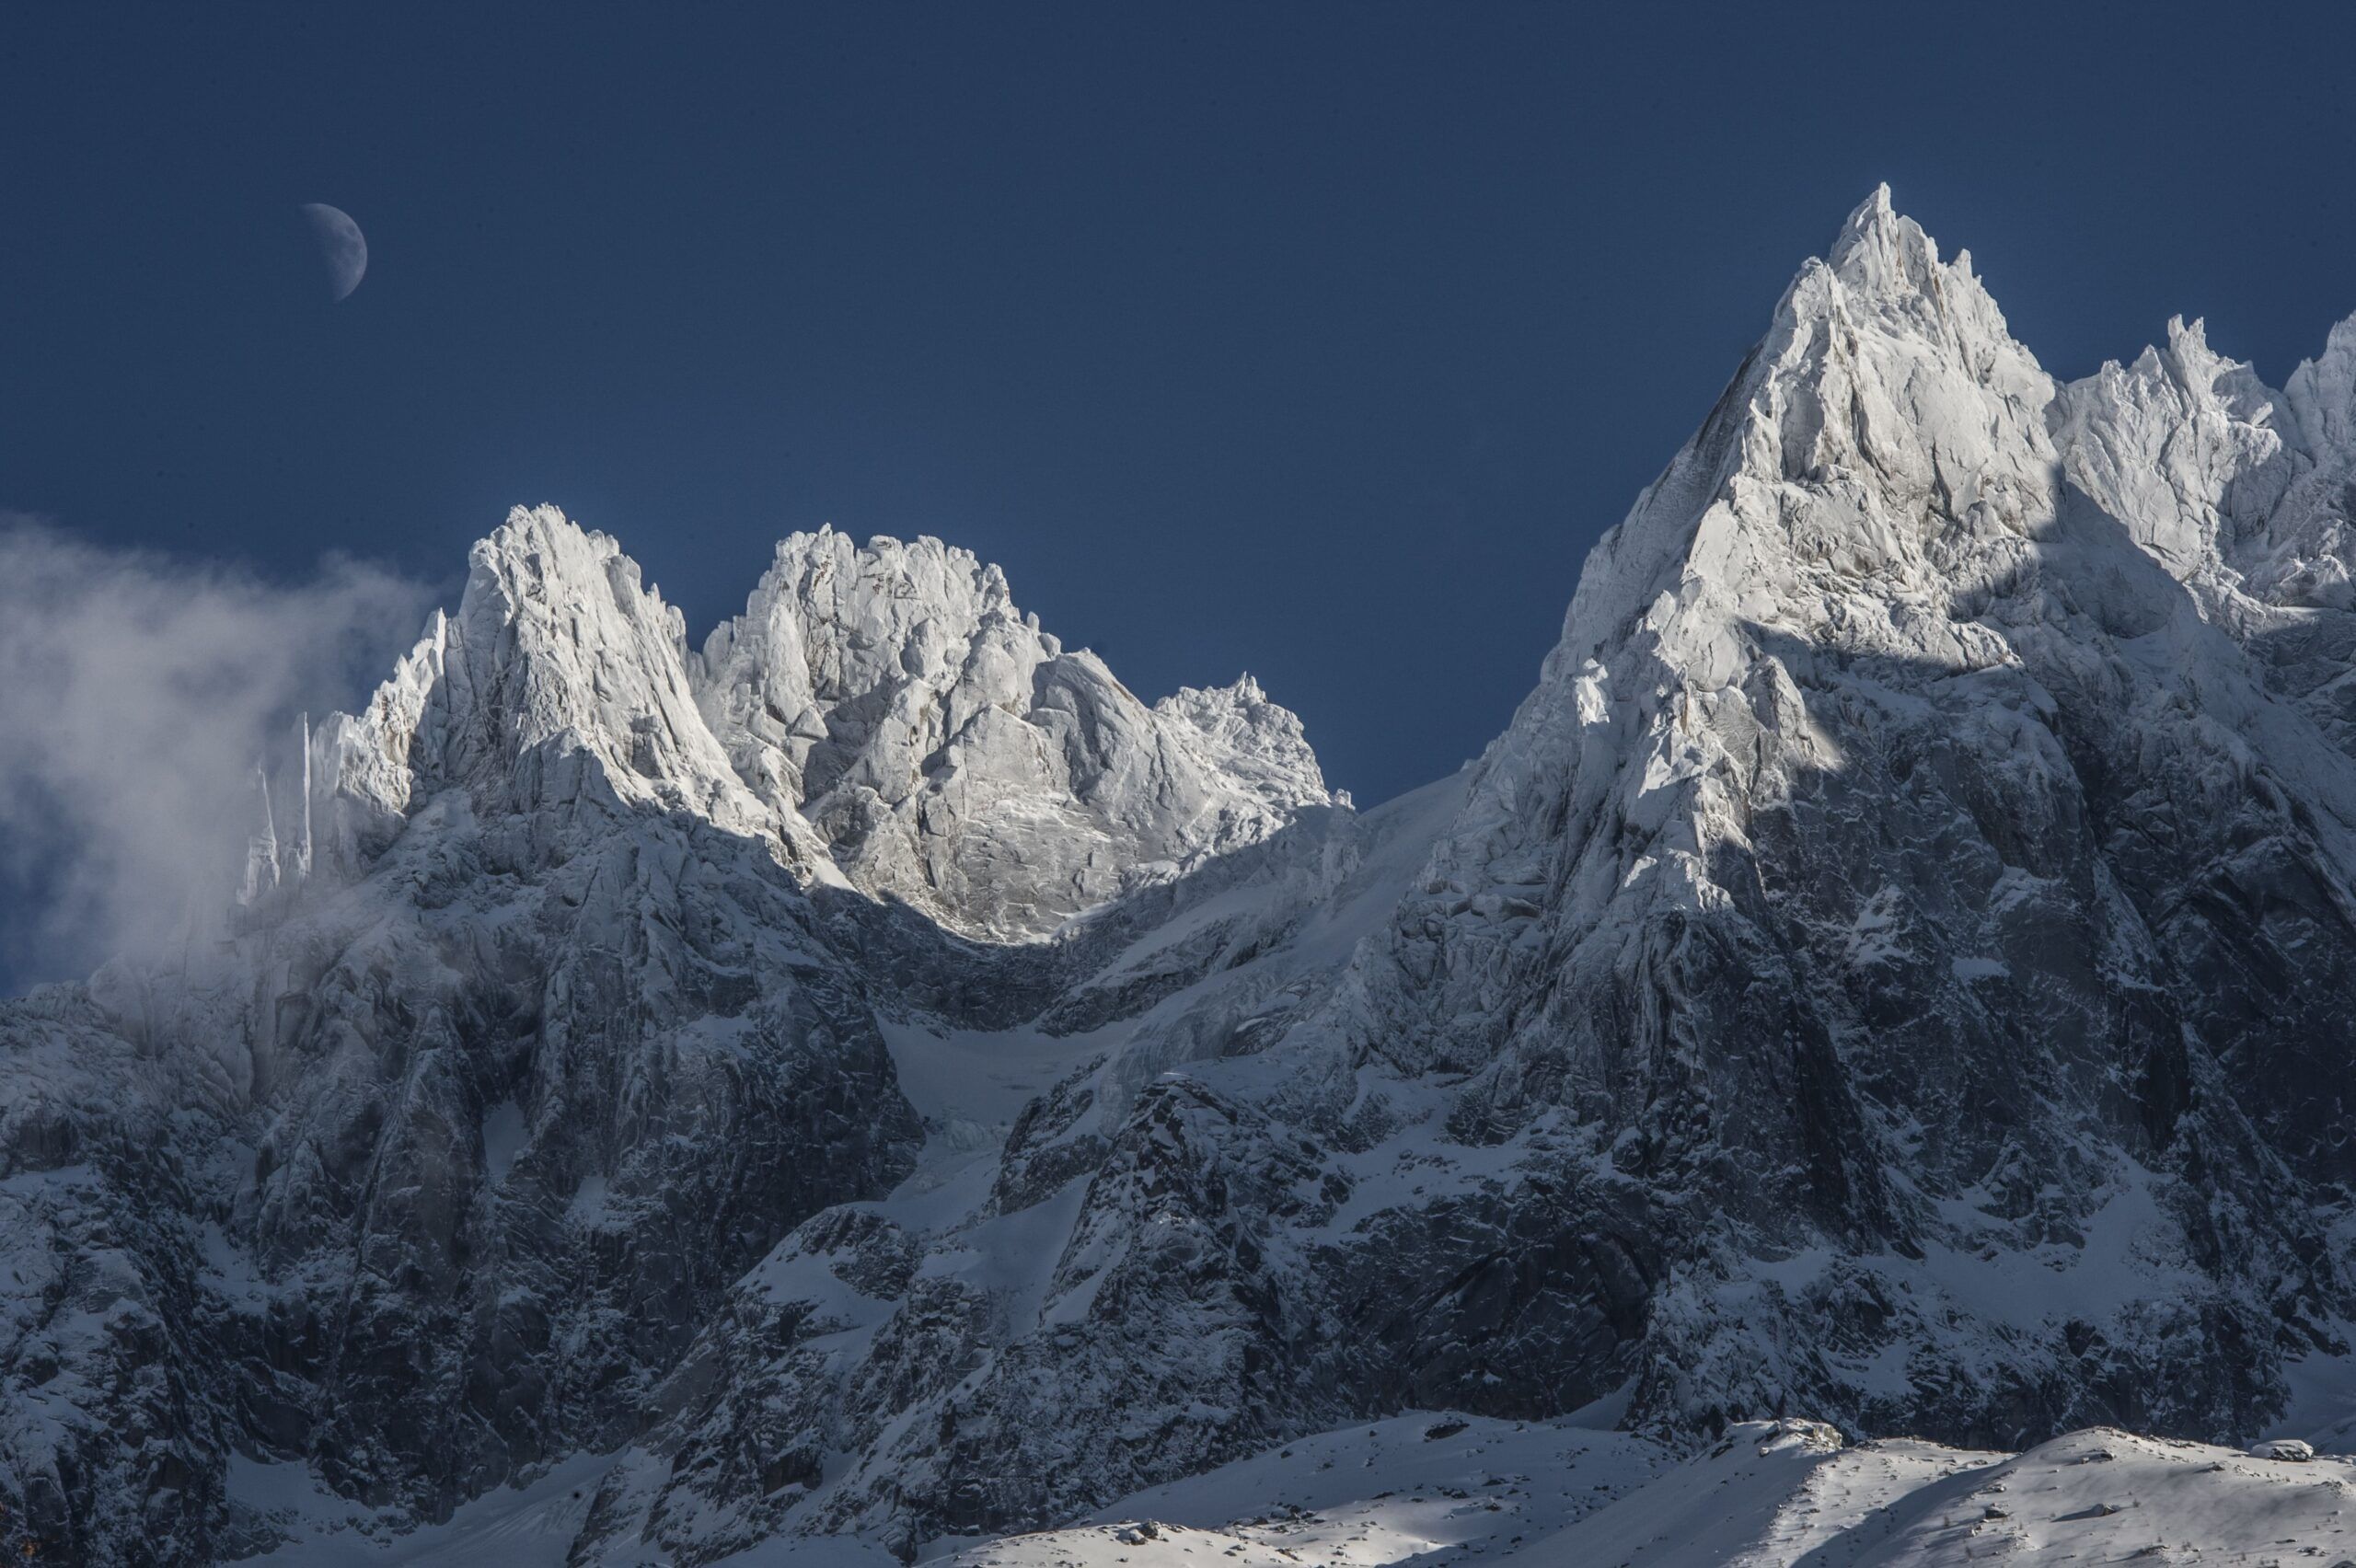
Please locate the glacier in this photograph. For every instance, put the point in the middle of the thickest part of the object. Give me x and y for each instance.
(871, 1087)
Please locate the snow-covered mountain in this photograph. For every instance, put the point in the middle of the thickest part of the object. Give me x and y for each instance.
(1922, 902)
(874, 1081)
(955, 757)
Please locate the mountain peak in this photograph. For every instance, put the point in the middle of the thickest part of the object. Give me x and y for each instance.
(1894, 966)
(1879, 249)
(881, 712)
(954, 755)
(561, 682)
(1886, 391)
(2323, 392)
(1876, 211)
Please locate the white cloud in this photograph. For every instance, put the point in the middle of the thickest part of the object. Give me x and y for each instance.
(136, 694)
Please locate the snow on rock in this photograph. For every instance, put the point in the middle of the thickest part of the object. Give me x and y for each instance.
(957, 757)
(319, 1199)
(2242, 492)
(874, 1086)
(541, 1027)
(559, 664)
(1872, 878)
(1090, 1266)
(2290, 1449)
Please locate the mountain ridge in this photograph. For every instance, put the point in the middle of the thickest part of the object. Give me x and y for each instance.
(872, 1075)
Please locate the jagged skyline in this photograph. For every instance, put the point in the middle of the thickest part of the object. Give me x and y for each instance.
(1114, 302)
(909, 1055)
(1892, 966)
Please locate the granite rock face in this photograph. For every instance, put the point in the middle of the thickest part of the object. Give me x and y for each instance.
(874, 1076)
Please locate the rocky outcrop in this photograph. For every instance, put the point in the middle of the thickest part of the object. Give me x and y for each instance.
(956, 757)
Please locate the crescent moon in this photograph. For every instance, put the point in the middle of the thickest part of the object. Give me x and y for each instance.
(341, 246)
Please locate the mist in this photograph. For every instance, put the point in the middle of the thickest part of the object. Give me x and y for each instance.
(137, 693)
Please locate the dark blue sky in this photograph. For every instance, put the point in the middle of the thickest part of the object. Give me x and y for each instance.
(1319, 341)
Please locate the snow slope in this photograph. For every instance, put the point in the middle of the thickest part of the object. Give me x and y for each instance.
(1427, 1486)
(1782, 1495)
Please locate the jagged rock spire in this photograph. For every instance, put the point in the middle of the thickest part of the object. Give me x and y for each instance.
(264, 868)
(954, 756)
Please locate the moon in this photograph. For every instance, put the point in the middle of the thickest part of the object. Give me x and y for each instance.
(341, 246)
